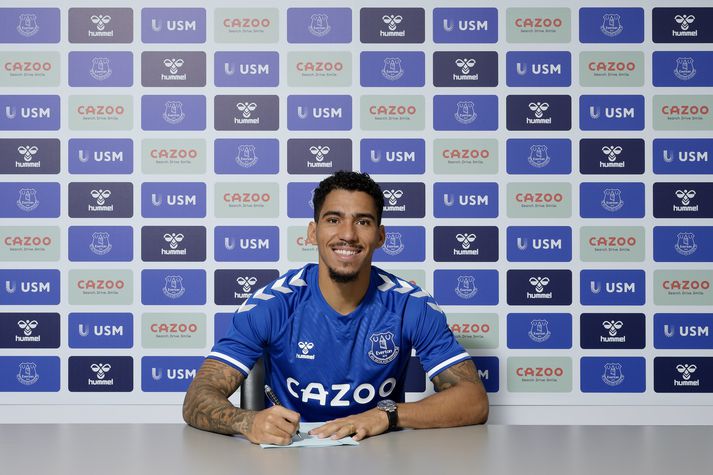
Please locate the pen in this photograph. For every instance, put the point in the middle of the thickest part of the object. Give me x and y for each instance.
(276, 402)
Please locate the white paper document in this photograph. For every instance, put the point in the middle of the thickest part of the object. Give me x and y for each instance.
(311, 441)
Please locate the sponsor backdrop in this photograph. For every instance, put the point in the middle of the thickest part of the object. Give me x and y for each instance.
(547, 175)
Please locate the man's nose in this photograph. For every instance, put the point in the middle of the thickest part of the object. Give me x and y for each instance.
(346, 230)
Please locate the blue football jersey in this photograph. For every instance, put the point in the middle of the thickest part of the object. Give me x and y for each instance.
(325, 365)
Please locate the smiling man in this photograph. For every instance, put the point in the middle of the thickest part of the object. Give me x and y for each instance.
(337, 338)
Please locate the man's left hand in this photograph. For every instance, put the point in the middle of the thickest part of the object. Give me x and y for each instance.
(359, 426)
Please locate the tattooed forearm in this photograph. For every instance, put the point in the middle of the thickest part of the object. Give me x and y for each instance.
(206, 405)
(448, 378)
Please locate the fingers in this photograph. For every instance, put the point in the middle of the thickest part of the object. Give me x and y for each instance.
(336, 429)
(272, 426)
(286, 414)
(361, 433)
(344, 431)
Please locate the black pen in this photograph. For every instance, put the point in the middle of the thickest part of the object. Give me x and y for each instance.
(276, 402)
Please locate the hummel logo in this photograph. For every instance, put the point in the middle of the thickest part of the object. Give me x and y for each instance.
(539, 283)
(392, 21)
(100, 196)
(612, 152)
(246, 108)
(173, 239)
(393, 196)
(100, 21)
(613, 326)
(465, 64)
(538, 108)
(319, 151)
(173, 64)
(685, 21)
(465, 239)
(685, 196)
(27, 152)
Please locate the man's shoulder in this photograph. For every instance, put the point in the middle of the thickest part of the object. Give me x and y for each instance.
(281, 293)
(399, 292)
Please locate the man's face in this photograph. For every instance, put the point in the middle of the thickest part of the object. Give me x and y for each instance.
(346, 234)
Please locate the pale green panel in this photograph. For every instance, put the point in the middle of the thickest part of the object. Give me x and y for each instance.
(101, 287)
(173, 156)
(539, 374)
(465, 156)
(262, 25)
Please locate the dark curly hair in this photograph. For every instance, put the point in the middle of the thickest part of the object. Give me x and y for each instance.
(350, 181)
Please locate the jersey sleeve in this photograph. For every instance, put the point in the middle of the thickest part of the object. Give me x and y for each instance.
(435, 345)
(245, 339)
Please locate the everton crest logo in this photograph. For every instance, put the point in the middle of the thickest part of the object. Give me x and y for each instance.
(319, 25)
(173, 288)
(466, 112)
(28, 25)
(246, 155)
(539, 331)
(538, 156)
(174, 112)
(28, 374)
(383, 348)
(466, 287)
(100, 243)
(612, 200)
(611, 25)
(393, 245)
(684, 69)
(100, 69)
(685, 245)
(392, 69)
(612, 374)
(28, 199)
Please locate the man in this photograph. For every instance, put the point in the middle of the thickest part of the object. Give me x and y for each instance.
(337, 338)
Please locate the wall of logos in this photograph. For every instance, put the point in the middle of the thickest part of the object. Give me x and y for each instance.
(546, 171)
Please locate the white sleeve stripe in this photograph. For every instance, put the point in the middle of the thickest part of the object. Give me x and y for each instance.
(448, 362)
(230, 360)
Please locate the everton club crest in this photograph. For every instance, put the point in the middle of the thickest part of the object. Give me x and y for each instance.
(612, 199)
(246, 155)
(28, 374)
(100, 243)
(319, 25)
(393, 245)
(28, 25)
(173, 288)
(612, 374)
(611, 25)
(174, 112)
(466, 112)
(685, 244)
(538, 156)
(539, 331)
(466, 286)
(28, 199)
(383, 348)
(100, 69)
(392, 69)
(684, 69)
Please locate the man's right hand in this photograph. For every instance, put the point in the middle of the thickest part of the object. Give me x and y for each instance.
(274, 425)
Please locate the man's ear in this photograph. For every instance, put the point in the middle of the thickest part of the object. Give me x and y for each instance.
(382, 235)
(312, 233)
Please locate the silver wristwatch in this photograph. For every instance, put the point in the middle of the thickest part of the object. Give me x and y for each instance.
(389, 407)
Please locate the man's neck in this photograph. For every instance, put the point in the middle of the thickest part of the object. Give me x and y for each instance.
(344, 298)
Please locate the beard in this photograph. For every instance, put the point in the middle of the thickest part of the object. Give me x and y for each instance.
(341, 278)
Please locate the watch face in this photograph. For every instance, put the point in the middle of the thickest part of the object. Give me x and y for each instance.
(386, 405)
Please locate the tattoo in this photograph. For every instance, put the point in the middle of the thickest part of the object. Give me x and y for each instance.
(206, 405)
(464, 371)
